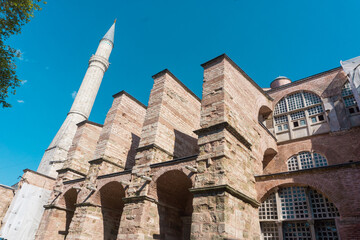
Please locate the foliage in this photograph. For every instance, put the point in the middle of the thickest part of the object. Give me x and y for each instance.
(13, 15)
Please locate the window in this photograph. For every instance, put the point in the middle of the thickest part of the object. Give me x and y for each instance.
(304, 213)
(305, 160)
(298, 110)
(349, 99)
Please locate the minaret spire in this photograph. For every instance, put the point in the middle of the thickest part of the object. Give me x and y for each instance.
(110, 33)
(56, 153)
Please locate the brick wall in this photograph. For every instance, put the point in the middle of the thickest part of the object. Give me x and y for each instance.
(120, 135)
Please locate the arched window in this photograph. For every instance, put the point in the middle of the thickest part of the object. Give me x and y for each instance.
(298, 213)
(298, 110)
(349, 99)
(305, 160)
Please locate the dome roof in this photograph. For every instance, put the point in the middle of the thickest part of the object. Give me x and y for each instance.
(279, 81)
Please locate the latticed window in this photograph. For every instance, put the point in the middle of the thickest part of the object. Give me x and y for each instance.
(304, 214)
(305, 160)
(349, 99)
(298, 110)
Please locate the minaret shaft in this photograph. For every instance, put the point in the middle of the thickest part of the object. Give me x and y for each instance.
(56, 153)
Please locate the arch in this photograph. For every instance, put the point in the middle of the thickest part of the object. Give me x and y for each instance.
(174, 204)
(284, 94)
(306, 159)
(69, 200)
(269, 155)
(290, 206)
(109, 197)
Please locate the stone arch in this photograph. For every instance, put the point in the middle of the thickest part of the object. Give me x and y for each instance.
(70, 199)
(109, 198)
(269, 155)
(265, 116)
(174, 204)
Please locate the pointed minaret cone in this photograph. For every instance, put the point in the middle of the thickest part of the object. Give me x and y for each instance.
(56, 153)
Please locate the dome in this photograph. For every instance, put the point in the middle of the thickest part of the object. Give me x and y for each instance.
(279, 81)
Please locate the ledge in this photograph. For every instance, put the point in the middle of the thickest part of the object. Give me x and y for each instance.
(89, 122)
(52, 206)
(224, 56)
(267, 130)
(7, 187)
(100, 160)
(115, 174)
(153, 145)
(63, 170)
(163, 72)
(123, 92)
(228, 189)
(74, 181)
(229, 128)
(174, 161)
(305, 171)
(138, 199)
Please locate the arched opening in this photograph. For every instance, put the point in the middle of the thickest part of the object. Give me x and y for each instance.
(299, 114)
(111, 195)
(298, 212)
(269, 155)
(70, 198)
(265, 117)
(175, 205)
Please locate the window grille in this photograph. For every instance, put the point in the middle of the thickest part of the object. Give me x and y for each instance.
(349, 101)
(269, 231)
(346, 90)
(295, 220)
(280, 107)
(305, 160)
(326, 230)
(297, 231)
(268, 210)
(315, 110)
(297, 115)
(302, 108)
(321, 207)
(319, 160)
(295, 101)
(293, 203)
(281, 119)
(293, 164)
(311, 99)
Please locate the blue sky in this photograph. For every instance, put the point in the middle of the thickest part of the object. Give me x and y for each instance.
(265, 38)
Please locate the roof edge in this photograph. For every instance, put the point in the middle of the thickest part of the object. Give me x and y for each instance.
(167, 71)
(309, 78)
(123, 92)
(224, 56)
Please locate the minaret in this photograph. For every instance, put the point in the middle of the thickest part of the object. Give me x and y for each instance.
(56, 153)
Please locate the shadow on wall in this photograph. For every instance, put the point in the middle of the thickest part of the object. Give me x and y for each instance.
(269, 155)
(112, 206)
(130, 159)
(175, 205)
(70, 198)
(185, 145)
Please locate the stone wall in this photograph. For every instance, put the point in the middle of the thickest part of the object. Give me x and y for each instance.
(172, 116)
(120, 135)
(7, 194)
(83, 146)
(339, 147)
